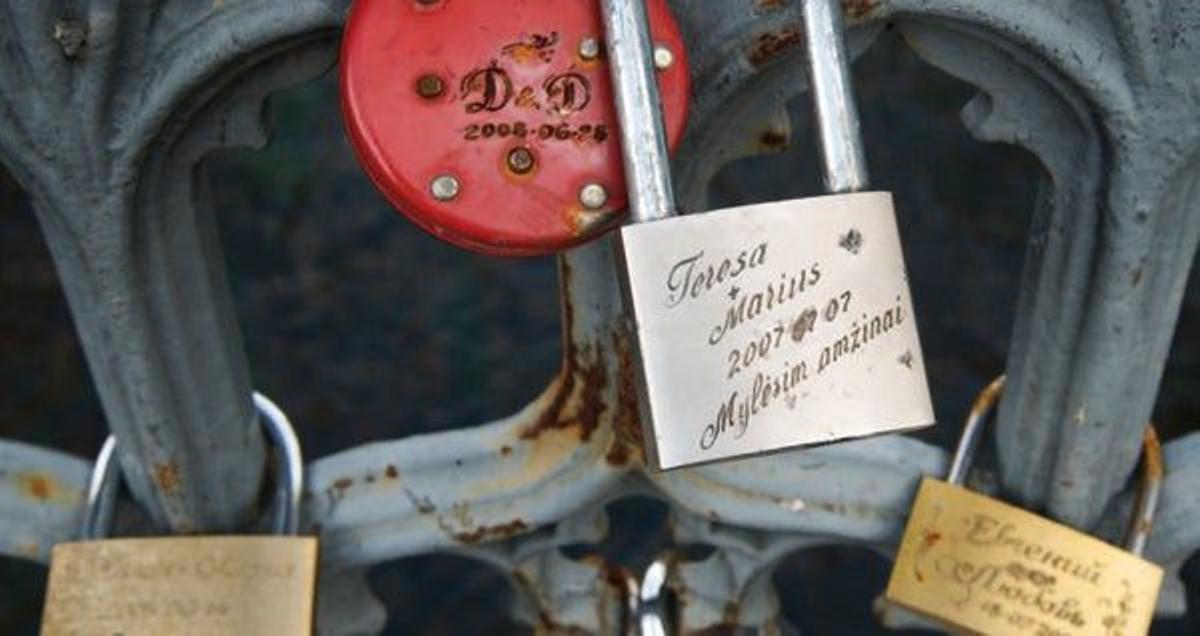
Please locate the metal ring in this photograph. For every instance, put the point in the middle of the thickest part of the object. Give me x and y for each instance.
(1149, 489)
(105, 480)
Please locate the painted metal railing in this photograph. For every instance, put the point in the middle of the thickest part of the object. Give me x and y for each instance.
(109, 106)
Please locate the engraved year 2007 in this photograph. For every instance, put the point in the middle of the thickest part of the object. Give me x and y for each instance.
(758, 349)
(546, 132)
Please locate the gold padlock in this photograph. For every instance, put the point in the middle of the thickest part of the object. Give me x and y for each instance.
(217, 585)
(975, 564)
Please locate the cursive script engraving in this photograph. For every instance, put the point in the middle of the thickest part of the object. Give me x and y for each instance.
(985, 530)
(692, 276)
(1000, 569)
(736, 412)
(860, 335)
(756, 330)
(749, 307)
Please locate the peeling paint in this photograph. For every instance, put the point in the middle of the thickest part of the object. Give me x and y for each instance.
(770, 45)
(492, 533)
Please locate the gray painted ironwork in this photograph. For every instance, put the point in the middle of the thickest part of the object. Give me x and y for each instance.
(108, 107)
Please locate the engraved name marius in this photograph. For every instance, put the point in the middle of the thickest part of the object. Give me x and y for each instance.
(802, 311)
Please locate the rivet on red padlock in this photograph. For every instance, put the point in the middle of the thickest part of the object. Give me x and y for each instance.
(492, 124)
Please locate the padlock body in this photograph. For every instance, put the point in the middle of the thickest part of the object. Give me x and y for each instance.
(977, 564)
(504, 77)
(182, 585)
(771, 326)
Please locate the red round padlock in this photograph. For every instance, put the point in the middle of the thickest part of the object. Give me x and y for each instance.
(491, 124)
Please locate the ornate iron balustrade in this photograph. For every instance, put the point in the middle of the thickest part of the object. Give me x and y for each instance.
(109, 106)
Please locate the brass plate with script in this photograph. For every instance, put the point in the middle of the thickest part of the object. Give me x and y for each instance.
(984, 566)
(182, 586)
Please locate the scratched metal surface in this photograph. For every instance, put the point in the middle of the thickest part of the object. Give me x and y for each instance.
(362, 345)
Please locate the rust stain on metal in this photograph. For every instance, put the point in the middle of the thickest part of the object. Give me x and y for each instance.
(627, 424)
(546, 626)
(771, 140)
(769, 45)
(578, 399)
(44, 489)
(167, 477)
(858, 9)
(771, 5)
(538, 48)
(391, 472)
(492, 533)
(342, 484)
(36, 486)
(987, 398)
(506, 450)
(1152, 450)
(585, 222)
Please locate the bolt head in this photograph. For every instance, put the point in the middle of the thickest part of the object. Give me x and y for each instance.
(593, 196)
(663, 57)
(589, 48)
(521, 160)
(430, 86)
(444, 187)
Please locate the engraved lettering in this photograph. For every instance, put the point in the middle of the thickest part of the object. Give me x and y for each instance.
(568, 93)
(488, 88)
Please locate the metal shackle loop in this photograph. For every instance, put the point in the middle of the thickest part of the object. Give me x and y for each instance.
(639, 110)
(1149, 488)
(834, 109)
(106, 477)
(639, 105)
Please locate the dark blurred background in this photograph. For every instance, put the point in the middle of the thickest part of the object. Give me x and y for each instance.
(346, 329)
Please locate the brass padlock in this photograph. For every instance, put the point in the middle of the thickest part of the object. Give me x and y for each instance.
(769, 326)
(975, 564)
(214, 585)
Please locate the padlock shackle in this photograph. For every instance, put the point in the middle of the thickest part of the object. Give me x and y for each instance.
(102, 493)
(106, 477)
(1149, 488)
(835, 112)
(639, 105)
(972, 435)
(639, 110)
(651, 614)
(1138, 533)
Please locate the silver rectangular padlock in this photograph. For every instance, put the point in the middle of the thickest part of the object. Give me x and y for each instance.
(771, 326)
